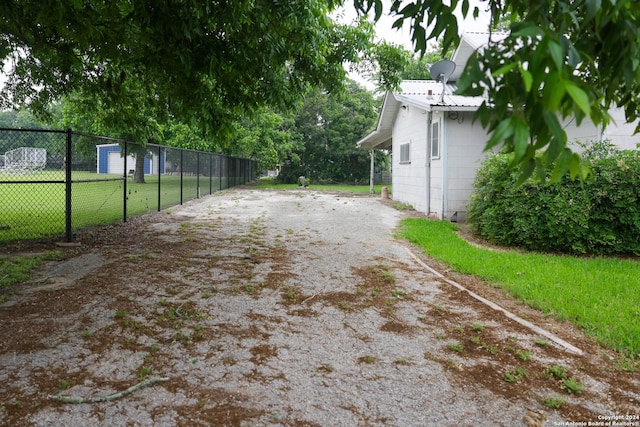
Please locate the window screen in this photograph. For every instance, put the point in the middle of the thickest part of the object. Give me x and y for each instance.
(405, 152)
(435, 141)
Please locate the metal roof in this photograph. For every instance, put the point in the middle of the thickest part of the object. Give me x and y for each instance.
(423, 94)
(428, 94)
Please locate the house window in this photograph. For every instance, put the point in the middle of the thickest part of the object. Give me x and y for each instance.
(435, 141)
(405, 152)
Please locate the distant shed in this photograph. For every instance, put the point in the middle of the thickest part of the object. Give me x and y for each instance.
(110, 160)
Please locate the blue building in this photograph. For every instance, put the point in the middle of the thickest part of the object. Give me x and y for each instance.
(111, 161)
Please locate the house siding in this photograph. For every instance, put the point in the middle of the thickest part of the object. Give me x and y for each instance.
(436, 195)
(465, 151)
(620, 133)
(409, 178)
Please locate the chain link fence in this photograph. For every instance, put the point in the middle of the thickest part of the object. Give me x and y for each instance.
(55, 182)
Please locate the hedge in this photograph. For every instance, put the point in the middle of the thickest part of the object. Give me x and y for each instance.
(600, 215)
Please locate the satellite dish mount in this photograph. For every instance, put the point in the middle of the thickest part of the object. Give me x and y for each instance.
(440, 72)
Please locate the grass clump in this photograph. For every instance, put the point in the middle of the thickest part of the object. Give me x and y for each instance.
(557, 371)
(601, 295)
(457, 347)
(573, 385)
(553, 401)
(514, 375)
(18, 269)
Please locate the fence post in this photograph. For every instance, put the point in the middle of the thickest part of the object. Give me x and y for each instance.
(67, 172)
(220, 172)
(197, 174)
(181, 173)
(210, 174)
(161, 167)
(125, 174)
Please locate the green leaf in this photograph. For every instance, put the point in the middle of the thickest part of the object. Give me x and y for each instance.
(576, 166)
(553, 91)
(527, 30)
(378, 10)
(520, 139)
(465, 7)
(562, 165)
(557, 53)
(558, 138)
(504, 69)
(504, 130)
(527, 79)
(525, 172)
(579, 96)
(593, 7)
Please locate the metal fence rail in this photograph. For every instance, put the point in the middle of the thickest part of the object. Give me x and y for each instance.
(55, 182)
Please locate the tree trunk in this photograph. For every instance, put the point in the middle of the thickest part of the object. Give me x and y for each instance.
(138, 175)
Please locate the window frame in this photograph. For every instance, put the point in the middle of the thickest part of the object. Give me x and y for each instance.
(405, 153)
(435, 140)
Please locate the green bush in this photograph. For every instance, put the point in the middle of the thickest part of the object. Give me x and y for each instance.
(600, 215)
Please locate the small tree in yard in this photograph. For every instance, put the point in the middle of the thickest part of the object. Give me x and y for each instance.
(600, 215)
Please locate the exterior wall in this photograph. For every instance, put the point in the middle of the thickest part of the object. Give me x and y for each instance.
(436, 193)
(104, 165)
(620, 133)
(586, 132)
(103, 156)
(409, 178)
(464, 154)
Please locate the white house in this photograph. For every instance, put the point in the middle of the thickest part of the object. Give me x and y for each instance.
(437, 148)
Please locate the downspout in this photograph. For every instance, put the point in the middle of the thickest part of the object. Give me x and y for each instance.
(371, 172)
(428, 161)
(445, 167)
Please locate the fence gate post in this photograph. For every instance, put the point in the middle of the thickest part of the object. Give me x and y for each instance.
(197, 175)
(67, 172)
(161, 167)
(181, 175)
(124, 186)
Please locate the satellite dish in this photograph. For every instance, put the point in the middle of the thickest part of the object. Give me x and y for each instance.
(441, 70)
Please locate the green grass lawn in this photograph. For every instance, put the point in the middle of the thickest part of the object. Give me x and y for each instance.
(270, 183)
(601, 295)
(30, 211)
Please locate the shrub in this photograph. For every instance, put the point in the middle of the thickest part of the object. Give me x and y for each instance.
(600, 215)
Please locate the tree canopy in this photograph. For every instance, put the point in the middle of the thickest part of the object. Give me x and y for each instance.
(324, 135)
(208, 63)
(204, 63)
(561, 58)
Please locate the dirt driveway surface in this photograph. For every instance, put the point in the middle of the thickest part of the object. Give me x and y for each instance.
(284, 308)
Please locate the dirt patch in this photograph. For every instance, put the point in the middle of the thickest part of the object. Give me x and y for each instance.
(289, 308)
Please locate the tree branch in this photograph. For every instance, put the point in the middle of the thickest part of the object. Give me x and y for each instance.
(79, 399)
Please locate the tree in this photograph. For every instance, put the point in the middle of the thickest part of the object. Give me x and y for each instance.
(418, 65)
(327, 128)
(267, 136)
(561, 58)
(141, 62)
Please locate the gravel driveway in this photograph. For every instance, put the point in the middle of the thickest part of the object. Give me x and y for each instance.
(294, 308)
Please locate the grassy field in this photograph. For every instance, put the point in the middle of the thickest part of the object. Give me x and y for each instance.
(601, 295)
(37, 210)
